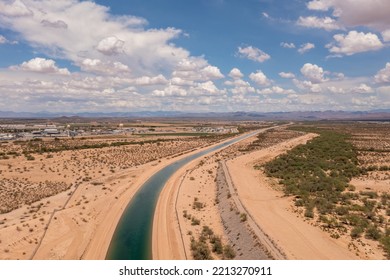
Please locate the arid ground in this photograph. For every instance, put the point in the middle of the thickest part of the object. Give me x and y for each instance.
(62, 198)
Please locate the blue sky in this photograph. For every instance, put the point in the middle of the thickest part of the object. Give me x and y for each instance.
(194, 55)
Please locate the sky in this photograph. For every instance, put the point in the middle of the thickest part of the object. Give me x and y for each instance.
(194, 55)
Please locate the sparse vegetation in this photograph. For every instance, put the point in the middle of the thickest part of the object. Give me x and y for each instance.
(201, 248)
(318, 175)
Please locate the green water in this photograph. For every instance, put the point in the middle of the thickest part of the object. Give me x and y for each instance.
(133, 235)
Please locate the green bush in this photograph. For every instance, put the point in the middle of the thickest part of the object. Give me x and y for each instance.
(385, 242)
(373, 233)
(356, 232)
(228, 252)
(200, 250)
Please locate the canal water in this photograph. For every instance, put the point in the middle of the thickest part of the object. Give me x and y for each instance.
(133, 235)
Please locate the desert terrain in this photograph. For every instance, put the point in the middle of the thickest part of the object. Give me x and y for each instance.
(62, 197)
(255, 218)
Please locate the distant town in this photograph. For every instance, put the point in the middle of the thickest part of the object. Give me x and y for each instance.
(30, 131)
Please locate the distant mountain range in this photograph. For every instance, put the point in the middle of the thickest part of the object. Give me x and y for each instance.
(382, 114)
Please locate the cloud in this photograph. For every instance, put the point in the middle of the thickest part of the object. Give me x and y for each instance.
(276, 90)
(313, 73)
(386, 35)
(196, 69)
(306, 47)
(15, 9)
(240, 86)
(354, 42)
(374, 14)
(54, 24)
(208, 87)
(287, 45)
(359, 13)
(259, 78)
(104, 67)
(149, 81)
(326, 23)
(170, 91)
(235, 73)
(41, 65)
(287, 75)
(199, 89)
(336, 90)
(253, 53)
(77, 30)
(212, 72)
(110, 46)
(319, 5)
(3, 40)
(383, 75)
(237, 83)
(181, 82)
(307, 85)
(362, 88)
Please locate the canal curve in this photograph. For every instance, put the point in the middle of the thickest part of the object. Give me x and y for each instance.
(133, 234)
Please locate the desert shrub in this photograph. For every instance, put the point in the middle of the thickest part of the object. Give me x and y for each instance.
(385, 242)
(197, 204)
(228, 252)
(372, 232)
(341, 210)
(357, 231)
(309, 213)
(200, 250)
(370, 195)
(216, 245)
(195, 221)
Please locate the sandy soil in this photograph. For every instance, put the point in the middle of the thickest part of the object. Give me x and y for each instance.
(274, 214)
(364, 184)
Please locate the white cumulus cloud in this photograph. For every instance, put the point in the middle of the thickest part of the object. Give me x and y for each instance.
(306, 47)
(354, 42)
(15, 9)
(386, 35)
(326, 23)
(362, 88)
(77, 30)
(319, 5)
(383, 75)
(354, 13)
(42, 65)
(235, 73)
(337, 90)
(253, 53)
(212, 72)
(103, 67)
(313, 73)
(287, 75)
(276, 90)
(260, 78)
(110, 46)
(148, 81)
